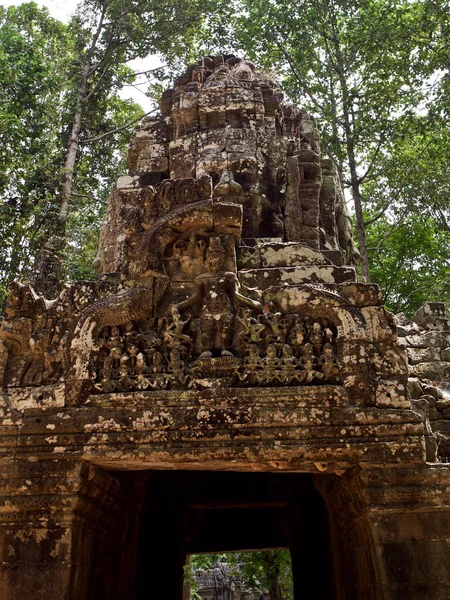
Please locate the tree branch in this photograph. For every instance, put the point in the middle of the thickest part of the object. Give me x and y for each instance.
(397, 194)
(131, 75)
(372, 162)
(302, 81)
(97, 83)
(103, 135)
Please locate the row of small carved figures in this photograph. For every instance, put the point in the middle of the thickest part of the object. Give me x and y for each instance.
(277, 367)
(265, 329)
(275, 327)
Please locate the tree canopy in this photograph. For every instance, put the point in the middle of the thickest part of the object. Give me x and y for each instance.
(375, 75)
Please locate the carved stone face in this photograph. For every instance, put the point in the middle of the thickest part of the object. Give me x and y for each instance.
(271, 351)
(215, 261)
(287, 350)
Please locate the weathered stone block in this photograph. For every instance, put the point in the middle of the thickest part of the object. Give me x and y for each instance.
(419, 355)
(431, 315)
(436, 371)
(290, 254)
(436, 339)
(249, 257)
(414, 388)
(274, 277)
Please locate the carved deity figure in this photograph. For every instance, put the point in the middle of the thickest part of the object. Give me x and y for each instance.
(328, 335)
(289, 365)
(176, 367)
(216, 293)
(288, 359)
(111, 365)
(328, 363)
(316, 337)
(115, 339)
(158, 365)
(298, 333)
(271, 361)
(252, 360)
(308, 362)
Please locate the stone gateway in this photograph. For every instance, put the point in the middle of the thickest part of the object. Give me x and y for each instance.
(227, 383)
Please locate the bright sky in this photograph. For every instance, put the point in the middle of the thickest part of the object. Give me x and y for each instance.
(62, 10)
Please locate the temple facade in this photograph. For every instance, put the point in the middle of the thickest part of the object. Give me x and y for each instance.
(227, 383)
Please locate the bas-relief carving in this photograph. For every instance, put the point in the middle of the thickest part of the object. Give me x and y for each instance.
(217, 332)
(228, 135)
(227, 166)
(227, 181)
(187, 352)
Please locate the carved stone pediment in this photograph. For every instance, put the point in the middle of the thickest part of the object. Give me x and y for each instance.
(226, 260)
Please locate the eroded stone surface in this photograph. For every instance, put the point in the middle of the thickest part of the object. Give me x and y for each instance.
(216, 272)
(426, 338)
(226, 332)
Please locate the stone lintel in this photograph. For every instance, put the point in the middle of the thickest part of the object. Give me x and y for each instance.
(311, 428)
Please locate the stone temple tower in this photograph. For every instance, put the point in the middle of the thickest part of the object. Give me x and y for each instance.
(226, 384)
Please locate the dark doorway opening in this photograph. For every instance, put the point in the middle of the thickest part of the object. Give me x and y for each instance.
(191, 512)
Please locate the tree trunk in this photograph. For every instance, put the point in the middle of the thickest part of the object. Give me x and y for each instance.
(350, 144)
(72, 149)
(48, 271)
(356, 193)
(272, 569)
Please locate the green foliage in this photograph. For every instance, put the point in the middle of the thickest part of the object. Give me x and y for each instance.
(35, 51)
(376, 76)
(338, 55)
(410, 207)
(412, 265)
(251, 572)
(41, 65)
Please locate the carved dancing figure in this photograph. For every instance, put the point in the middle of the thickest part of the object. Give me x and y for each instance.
(173, 334)
(251, 327)
(277, 327)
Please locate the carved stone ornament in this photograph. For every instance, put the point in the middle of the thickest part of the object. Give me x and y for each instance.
(227, 332)
(225, 260)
